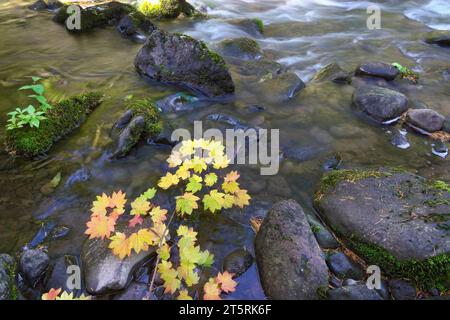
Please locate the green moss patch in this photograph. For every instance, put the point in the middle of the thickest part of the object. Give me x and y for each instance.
(149, 111)
(331, 179)
(62, 119)
(433, 272)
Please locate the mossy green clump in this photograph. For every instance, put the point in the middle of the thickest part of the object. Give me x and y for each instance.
(63, 118)
(167, 9)
(149, 111)
(260, 24)
(433, 272)
(331, 179)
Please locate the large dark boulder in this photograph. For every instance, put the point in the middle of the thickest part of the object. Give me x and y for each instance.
(381, 104)
(396, 220)
(33, 265)
(180, 59)
(290, 262)
(378, 70)
(426, 119)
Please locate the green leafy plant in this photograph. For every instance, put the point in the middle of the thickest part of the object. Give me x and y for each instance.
(196, 171)
(31, 115)
(406, 73)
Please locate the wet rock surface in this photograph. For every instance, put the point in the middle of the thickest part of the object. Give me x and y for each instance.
(343, 267)
(105, 273)
(426, 119)
(129, 137)
(402, 290)
(441, 38)
(182, 60)
(370, 208)
(355, 292)
(290, 261)
(33, 265)
(377, 69)
(381, 104)
(333, 72)
(238, 262)
(240, 48)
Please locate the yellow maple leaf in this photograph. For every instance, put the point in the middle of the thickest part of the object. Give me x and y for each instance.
(211, 290)
(174, 159)
(168, 180)
(118, 200)
(187, 148)
(213, 201)
(184, 295)
(231, 176)
(230, 186)
(120, 245)
(221, 162)
(158, 215)
(241, 198)
(228, 201)
(210, 179)
(186, 203)
(140, 206)
(99, 206)
(183, 172)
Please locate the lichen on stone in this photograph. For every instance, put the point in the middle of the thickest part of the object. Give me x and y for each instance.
(149, 111)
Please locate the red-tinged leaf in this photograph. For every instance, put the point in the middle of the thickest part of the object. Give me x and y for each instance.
(135, 221)
(52, 294)
(227, 284)
(211, 290)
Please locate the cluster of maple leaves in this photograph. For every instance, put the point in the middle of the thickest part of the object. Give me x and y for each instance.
(193, 164)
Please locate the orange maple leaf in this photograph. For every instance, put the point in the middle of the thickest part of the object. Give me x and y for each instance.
(227, 284)
(100, 226)
(135, 221)
(211, 290)
(117, 200)
(231, 176)
(52, 294)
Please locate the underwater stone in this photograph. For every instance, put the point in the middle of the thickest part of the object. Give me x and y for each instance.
(377, 69)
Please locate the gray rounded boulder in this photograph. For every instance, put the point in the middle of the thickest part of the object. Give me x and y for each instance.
(426, 119)
(381, 104)
(290, 262)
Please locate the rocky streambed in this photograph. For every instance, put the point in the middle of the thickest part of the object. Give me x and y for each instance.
(363, 160)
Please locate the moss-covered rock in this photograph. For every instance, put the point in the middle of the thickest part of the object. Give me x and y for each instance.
(240, 48)
(141, 120)
(183, 60)
(393, 219)
(254, 27)
(149, 111)
(167, 9)
(96, 16)
(62, 119)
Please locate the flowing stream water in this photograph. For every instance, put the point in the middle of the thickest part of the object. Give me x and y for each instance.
(319, 122)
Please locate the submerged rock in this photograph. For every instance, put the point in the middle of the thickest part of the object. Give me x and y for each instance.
(441, 38)
(446, 125)
(426, 119)
(343, 267)
(324, 237)
(135, 291)
(254, 27)
(399, 140)
(238, 262)
(377, 69)
(333, 72)
(179, 102)
(381, 104)
(290, 262)
(180, 59)
(33, 265)
(355, 292)
(105, 273)
(6, 276)
(240, 48)
(281, 87)
(129, 137)
(440, 149)
(396, 220)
